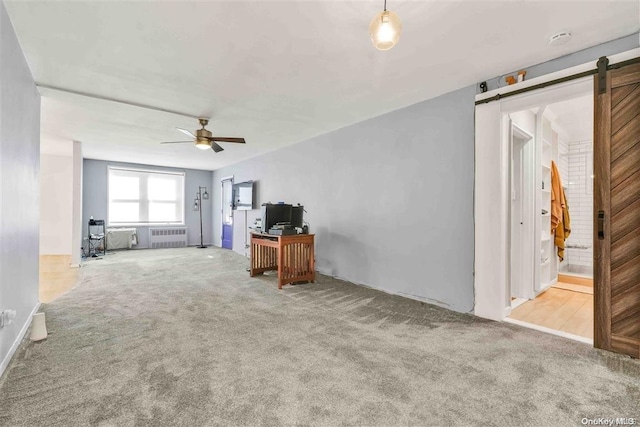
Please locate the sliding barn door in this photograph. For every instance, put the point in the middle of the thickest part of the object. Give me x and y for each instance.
(617, 209)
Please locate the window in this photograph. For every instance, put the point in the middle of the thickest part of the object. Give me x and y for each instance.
(138, 197)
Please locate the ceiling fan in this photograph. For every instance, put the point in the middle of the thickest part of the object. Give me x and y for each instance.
(204, 139)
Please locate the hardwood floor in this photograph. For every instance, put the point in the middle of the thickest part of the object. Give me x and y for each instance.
(560, 309)
(56, 276)
(573, 287)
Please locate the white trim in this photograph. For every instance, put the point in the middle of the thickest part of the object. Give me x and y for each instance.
(547, 95)
(523, 133)
(550, 115)
(146, 224)
(158, 171)
(547, 286)
(613, 59)
(550, 331)
(518, 302)
(507, 312)
(491, 212)
(77, 230)
(18, 340)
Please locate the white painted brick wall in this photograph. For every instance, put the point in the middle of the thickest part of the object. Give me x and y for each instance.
(580, 199)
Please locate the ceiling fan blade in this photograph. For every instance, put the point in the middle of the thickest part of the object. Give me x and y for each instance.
(175, 142)
(186, 132)
(225, 139)
(215, 147)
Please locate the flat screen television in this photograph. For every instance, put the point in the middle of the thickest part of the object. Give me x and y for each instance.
(273, 214)
(243, 196)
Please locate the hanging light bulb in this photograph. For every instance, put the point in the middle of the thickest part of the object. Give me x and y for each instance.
(205, 195)
(385, 29)
(195, 205)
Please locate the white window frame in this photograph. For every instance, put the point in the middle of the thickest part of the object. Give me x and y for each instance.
(144, 203)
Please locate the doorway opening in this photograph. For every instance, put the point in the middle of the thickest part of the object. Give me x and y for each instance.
(551, 257)
(614, 184)
(227, 212)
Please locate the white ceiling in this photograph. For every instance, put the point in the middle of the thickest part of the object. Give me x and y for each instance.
(575, 117)
(275, 73)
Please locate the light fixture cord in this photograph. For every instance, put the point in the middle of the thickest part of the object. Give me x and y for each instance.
(385, 5)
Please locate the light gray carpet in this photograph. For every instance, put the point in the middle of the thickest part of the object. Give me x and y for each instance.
(185, 337)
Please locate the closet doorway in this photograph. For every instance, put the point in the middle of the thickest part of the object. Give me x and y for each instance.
(612, 190)
(560, 288)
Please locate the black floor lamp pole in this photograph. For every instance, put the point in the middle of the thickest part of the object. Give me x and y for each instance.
(198, 204)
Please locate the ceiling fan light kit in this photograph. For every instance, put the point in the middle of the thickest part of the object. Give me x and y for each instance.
(385, 29)
(203, 139)
(203, 144)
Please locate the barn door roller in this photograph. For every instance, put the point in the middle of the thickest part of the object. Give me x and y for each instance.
(603, 63)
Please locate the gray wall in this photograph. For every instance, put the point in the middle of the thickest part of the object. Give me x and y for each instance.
(19, 186)
(612, 47)
(95, 198)
(56, 203)
(389, 199)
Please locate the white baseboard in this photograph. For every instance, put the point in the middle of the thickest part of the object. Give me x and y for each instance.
(517, 303)
(550, 331)
(507, 311)
(18, 340)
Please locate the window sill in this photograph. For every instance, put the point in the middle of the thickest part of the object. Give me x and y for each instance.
(139, 224)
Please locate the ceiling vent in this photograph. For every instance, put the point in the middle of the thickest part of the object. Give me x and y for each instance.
(560, 38)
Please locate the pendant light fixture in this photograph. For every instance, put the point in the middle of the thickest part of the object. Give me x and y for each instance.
(385, 29)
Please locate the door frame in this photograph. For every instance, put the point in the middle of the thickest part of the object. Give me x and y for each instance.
(526, 196)
(222, 181)
(491, 192)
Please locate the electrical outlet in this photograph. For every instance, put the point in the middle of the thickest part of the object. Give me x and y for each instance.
(7, 317)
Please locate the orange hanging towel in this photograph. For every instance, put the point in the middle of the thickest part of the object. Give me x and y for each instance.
(557, 197)
(563, 230)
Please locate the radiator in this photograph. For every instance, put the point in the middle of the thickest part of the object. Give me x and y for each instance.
(121, 238)
(175, 237)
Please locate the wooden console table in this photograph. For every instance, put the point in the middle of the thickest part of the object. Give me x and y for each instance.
(292, 256)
